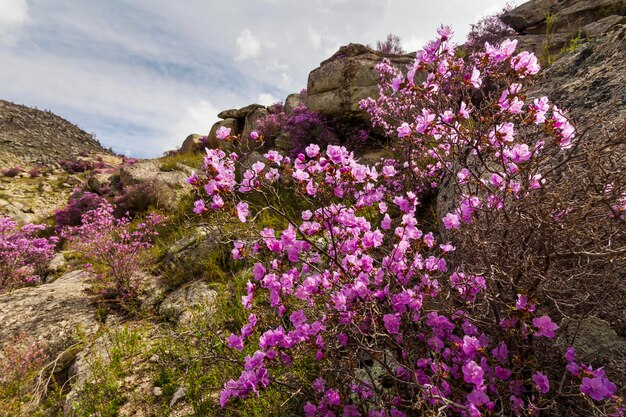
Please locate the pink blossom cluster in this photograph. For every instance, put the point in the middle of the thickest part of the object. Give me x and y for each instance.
(360, 271)
(23, 255)
(115, 249)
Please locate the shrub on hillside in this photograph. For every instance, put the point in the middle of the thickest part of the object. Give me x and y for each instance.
(488, 29)
(115, 249)
(23, 255)
(75, 167)
(13, 172)
(78, 204)
(403, 315)
(391, 45)
(139, 198)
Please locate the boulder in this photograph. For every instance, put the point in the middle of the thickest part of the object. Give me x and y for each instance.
(147, 178)
(150, 170)
(179, 304)
(233, 124)
(530, 17)
(251, 121)
(238, 113)
(294, 100)
(596, 342)
(54, 313)
(590, 18)
(337, 86)
(191, 144)
(186, 251)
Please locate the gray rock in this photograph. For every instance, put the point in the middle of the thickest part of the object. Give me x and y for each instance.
(294, 100)
(596, 343)
(58, 263)
(191, 144)
(179, 304)
(178, 395)
(238, 113)
(101, 183)
(55, 313)
(235, 128)
(337, 86)
(591, 18)
(50, 312)
(251, 121)
(283, 142)
(189, 249)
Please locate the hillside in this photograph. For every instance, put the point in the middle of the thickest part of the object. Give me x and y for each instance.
(31, 136)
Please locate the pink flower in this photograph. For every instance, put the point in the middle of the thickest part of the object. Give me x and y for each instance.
(474, 78)
(597, 388)
(222, 132)
(243, 211)
(545, 326)
(404, 130)
(473, 373)
(199, 207)
(312, 150)
(541, 382)
(389, 171)
(525, 63)
(451, 221)
(235, 342)
(392, 323)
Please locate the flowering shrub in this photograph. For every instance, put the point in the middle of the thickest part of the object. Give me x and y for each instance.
(19, 359)
(303, 126)
(391, 45)
(79, 204)
(272, 125)
(139, 198)
(399, 320)
(23, 255)
(13, 172)
(115, 250)
(488, 29)
(74, 167)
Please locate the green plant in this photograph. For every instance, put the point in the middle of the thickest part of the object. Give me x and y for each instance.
(545, 56)
(575, 42)
(110, 359)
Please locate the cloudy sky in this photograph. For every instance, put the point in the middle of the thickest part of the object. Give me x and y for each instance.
(143, 74)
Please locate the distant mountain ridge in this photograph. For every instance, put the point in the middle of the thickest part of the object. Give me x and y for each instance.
(32, 136)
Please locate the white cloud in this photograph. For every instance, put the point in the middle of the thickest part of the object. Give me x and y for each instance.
(413, 43)
(198, 118)
(13, 15)
(315, 38)
(267, 99)
(248, 45)
(155, 72)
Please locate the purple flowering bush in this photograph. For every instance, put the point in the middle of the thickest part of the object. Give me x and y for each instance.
(79, 204)
(13, 172)
(23, 255)
(403, 315)
(115, 250)
(488, 29)
(75, 166)
(391, 45)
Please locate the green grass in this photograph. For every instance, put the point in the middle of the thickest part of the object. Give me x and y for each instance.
(171, 163)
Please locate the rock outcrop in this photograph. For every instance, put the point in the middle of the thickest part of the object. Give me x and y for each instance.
(548, 26)
(54, 313)
(147, 176)
(337, 86)
(191, 144)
